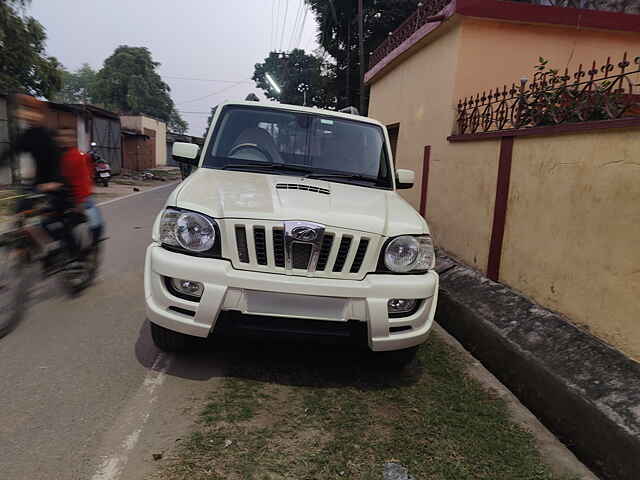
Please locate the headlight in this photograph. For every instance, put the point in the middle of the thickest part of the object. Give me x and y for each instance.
(407, 253)
(189, 230)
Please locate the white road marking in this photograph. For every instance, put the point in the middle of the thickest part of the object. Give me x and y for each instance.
(131, 421)
(172, 184)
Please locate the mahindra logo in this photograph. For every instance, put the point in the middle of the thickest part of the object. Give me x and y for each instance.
(304, 234)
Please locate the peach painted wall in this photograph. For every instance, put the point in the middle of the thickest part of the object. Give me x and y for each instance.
(572, 233)
(419, 95)
(493, 53)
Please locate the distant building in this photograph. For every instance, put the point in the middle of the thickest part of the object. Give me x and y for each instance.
(90, 124)
(144, 142)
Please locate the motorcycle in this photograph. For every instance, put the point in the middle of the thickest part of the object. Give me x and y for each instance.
(102, 169)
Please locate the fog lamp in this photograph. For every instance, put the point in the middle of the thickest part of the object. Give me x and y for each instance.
(399, 306)
(187, 287)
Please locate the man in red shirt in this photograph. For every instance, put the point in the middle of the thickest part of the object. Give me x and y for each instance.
(76, 170)
(74, 167)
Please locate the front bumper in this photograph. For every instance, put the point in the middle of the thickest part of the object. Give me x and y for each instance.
(257, 293)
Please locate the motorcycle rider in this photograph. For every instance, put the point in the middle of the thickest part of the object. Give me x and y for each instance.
(76, 170)
(38, 141)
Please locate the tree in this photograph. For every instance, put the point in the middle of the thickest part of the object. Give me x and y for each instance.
(338, 35)
(77, 87)
(129, 83)
(209, 120)
(24, 65)
(300, 76)
(177, 124)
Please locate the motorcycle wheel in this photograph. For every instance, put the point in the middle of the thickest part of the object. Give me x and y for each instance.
(14, 286)
(105, 183)
(80, 274)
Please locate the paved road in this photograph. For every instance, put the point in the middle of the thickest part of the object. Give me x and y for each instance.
(80, 383)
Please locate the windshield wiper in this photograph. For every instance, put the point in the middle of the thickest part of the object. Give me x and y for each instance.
(268, 166)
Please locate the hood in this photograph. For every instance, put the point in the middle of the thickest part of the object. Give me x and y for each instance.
(232, 194)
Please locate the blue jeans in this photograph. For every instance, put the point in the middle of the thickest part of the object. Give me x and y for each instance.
(94, 218)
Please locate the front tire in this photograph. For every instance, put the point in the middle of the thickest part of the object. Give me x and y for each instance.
(105, 183)
(14, 286)
(170, 341)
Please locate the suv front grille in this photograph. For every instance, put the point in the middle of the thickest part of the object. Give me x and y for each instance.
(261, 245)
(343, 254)
(278, 247)
(343, 251)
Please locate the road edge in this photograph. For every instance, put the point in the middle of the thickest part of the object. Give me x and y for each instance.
(583, 390)
(124, 197)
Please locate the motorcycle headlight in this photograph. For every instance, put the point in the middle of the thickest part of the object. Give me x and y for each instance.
(408, 253)
(188, 230)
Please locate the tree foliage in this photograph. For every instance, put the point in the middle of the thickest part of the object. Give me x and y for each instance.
(78, 86)
(297, 73)
(129, 83)
(338, 35)
(24, 65)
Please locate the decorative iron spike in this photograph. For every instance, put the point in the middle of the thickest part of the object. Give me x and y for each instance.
(607, 67)
(566, 76)
(579, 74)
(624, 63)
(594, 71)
(483, 98)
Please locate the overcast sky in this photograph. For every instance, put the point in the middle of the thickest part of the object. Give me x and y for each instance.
(198, 39)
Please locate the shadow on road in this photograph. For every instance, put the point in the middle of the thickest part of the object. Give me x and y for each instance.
(287, 363)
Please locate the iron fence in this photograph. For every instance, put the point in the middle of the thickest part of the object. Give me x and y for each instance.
(423, 15)
(552, 98)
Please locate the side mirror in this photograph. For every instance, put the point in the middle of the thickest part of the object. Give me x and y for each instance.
(186, 152)
(405, 178)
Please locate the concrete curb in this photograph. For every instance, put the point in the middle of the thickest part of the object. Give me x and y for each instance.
(585, 391)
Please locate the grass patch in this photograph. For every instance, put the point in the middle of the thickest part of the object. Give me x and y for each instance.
(320, 415)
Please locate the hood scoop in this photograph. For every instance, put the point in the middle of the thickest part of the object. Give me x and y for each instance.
(297, 186)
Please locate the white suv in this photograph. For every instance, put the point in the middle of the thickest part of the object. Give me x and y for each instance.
(291, 224)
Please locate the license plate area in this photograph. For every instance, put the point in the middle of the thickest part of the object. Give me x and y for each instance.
(289, 305)
(103, 175)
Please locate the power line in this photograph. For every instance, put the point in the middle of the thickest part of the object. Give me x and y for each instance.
(210, 94)
(206, 79)
(273, 7)
(304, 21)
(284, 24)
(295, 25)
(275, 27)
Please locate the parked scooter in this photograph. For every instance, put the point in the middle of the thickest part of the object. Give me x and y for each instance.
(102, 169)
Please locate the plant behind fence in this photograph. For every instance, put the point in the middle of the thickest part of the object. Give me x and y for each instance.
(608, 92)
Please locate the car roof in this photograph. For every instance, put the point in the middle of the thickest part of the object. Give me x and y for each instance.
(298, 108)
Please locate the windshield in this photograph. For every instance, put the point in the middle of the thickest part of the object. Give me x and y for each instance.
(284, 142)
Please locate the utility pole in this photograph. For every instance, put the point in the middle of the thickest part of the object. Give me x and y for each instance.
(361, 41)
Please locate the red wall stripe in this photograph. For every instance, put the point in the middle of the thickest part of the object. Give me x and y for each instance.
(500, 208)
(425, 180)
